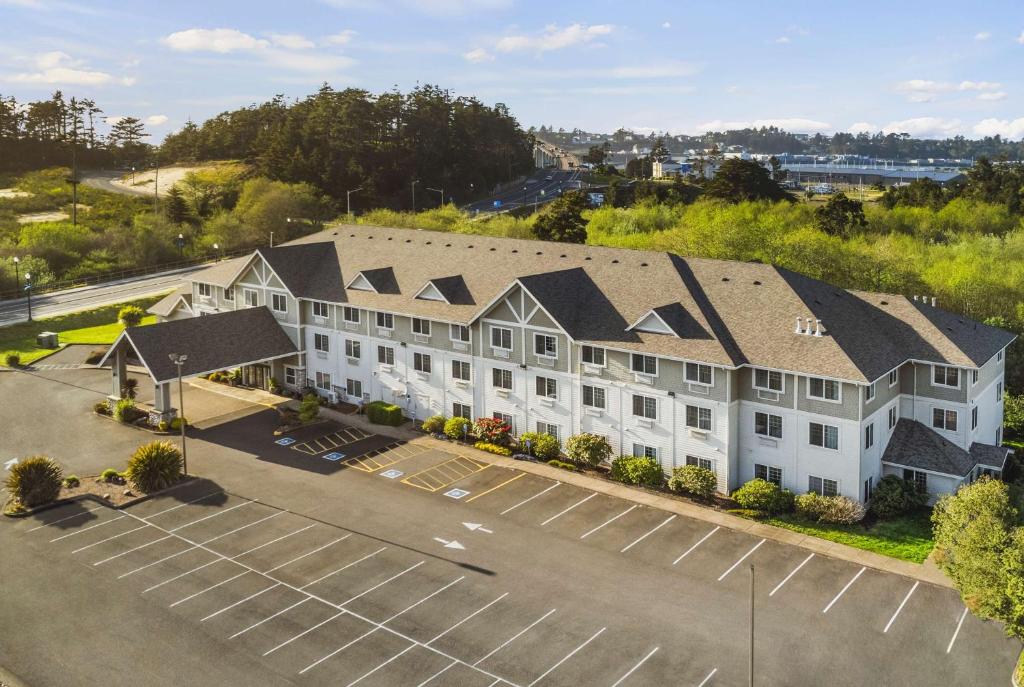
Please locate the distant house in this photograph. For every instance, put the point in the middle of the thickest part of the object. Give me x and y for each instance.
(668, 168)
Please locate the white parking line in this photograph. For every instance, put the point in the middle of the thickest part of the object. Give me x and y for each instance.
(742, 558)
(346, 567)
(283, 536)
(381, 584)
(211, 587)
(104, 541)
(271, 617)
(468, 617)
(701, 541)
(70, 517)
(708, 678)
(239, 603)
(371, 672)
(304, 632)
(125, 553)
(187, 503)
(437, 674)
(955, 634)
(567, 657)
(606, 522)
(299, 558)
(666, 521)
(794, 572)
(900, 608)
(578, 503)
(512, 508)
(86, 529)
(213, 515)
(634, 668)
(515, 637)
(843, 590)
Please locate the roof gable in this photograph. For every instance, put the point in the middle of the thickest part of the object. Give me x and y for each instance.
(651, 323)
(360, 283)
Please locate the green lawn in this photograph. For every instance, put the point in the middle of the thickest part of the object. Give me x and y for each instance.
(908, 537)
(99, 326)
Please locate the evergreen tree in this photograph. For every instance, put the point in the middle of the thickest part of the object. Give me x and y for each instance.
(562, 220)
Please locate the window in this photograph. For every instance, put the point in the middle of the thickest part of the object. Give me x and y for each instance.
(768, 425)
(321, 342)
(644, 364)
(547, 428)
(458, 332)
(229, 293)
(353, 349)
(823, 487)
(460, 370)
(825, 389)
(869, 392)
(501, 379)
(974, 377)
(974, 417)
(420, 326)
(545, 346)
(323, 381)
(354, 388)
(385, 355)
(705, 463)
(591, 355)
(999, 357)
(320, 309)
(698, 374)
(385, 320)
(892, 417)
(421, 362)
(825, 436)
(769, 473)
(944, 419)
(645, 406)
(205, 290)
(547, 387)
(643, 451)
(698, 418)
(945, 376)
(894, 376)
(769, 380)
(999, 391)
(501, 338)
(251, 298)
(279, 302)
(291, 376)
(350, 314)
(593, 397)
(462, 410)
(920, 479)
(869, 436)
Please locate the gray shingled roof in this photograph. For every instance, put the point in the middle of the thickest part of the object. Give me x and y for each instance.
(165, 306)
(915, 446)
(989, 455)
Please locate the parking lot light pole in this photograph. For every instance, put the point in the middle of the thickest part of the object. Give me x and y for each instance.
(17, 276)
(28, 288)
(438, 190)
(348, 202)
(751, 663)
(179, 360)
(415, 181)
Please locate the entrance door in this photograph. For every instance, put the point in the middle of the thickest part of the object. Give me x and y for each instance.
(256, 376)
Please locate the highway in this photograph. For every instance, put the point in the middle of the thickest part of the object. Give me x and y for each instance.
(551, 181)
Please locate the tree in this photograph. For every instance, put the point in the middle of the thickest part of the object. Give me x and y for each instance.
(660, 151)
(130, 315)
(595, 155)
(778, 174)
(588, 449)
(562, 220)
(737, 180)
(175, 207)
(840, 216)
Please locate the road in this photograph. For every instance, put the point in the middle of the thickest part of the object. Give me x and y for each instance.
(103, 180)
(551, 182)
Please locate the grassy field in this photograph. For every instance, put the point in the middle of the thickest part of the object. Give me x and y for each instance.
(908, 538)
(99, 326)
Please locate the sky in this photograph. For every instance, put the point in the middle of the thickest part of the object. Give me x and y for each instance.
(930, 69)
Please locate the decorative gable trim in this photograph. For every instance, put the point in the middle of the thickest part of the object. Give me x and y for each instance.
(360, 283)
(430, 292)
(651, 323)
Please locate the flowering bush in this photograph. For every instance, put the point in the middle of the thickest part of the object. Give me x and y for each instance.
(492, 431)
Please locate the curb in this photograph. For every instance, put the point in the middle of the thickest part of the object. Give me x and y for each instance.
(102, 502)
(9, 679)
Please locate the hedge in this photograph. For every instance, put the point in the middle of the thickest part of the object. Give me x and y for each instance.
(493, 448)
(381, 413)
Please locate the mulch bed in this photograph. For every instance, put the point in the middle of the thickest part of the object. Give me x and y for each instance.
(94, 489)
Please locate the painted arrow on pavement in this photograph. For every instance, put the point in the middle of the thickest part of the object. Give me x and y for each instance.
(476, 527)
(450, 544)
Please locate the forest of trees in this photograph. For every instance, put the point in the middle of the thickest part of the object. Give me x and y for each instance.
(337, 141)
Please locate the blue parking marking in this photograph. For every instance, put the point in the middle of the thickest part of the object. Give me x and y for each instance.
(456, 493)
(285, 441)
(334, 456)
(392, 474)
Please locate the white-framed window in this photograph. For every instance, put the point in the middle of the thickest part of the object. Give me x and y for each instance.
(699, 374)
(462, 410)
(824, 389)
(593, 396)
(918, 478)
(892, 417)
(644, 451)
(869, 392)
(974, 417)
(251, 298)
(460, 370)
(769, 473)
(420, 326)
(421, 362)
(458, 332)
(974, 377)
(547, 387)
(822, 486)
(547, 428)
(698, 418)
(768, 380)
(501, 379)
(323, 381)
(229, 293)
(645, 406)
(943, 375)
(999, 391)
(321, 309)
(545, 346)
(322, 343)
(385, 320)
(278, 302)
(768, 425)
(705, 463)
(291, 376)
(592, 355)
(350, 314)
(385, 355)
(869, 436)
(643, 364)
(501, 337)
(894, 376)
(205, 290)
(999, 356)
(943, 418)
(825, 436)
(353, 349)
(354, 388)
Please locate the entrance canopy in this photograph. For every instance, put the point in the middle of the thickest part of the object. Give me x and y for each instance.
(211, 343)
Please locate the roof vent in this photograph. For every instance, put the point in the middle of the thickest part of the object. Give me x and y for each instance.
(588, 258)
(492, 248)
(725, 278)
(334, 234)
(469, 246)
(408, 240)
(369, 237)
(540, 252)
(515, 250)
(757, 283)
(615, 262)
(351, 236)
(799, 325)
(428, 243)
(643, 264)
(447, 245)
(390, 238)
(563, 255)
(884, 303)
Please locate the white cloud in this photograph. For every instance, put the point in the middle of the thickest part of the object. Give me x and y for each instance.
(289, 51)
(782, 40)
(554, 38)
(992, 97)
(732, 89)
(925, 127)
(862, 128)
(978, 85)
(213, 40)
(1012, 129)
(114, 120)
(1020, 38)
(982, 36)
(666, 25)
(58, 68)
(477, 55)
(340, 38)
(794, 124)
(156, 120)
(925, 91)
(291, 41)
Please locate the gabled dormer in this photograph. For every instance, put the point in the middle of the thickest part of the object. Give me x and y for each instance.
(652, 323)
(451, 290)
(671, 319)
(380, 280)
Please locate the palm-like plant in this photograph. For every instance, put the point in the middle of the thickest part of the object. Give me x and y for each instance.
(154, 466)
(34, 481)
(130, 388)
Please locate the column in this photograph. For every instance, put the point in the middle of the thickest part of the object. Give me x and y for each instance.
(118, 374)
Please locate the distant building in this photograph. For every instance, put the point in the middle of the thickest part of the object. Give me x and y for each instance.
(867, 176)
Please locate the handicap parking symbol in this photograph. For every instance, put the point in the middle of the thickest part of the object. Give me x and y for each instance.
(456, 493)
(334, 456)
(392, 474)
(285, 441)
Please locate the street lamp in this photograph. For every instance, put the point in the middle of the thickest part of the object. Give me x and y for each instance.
(17, 277)
(348, 202)
(438, 190)
(179, 360)
(535, 200)
(181, 246)
(416, 181)
(28, 288)
(216, 250)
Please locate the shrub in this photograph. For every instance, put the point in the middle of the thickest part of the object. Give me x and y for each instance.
(493, 448)
(809, 506)
(493, 431)
(764, 496)
(111, 476)
(71, 481)
(434, 424)
(101, 408)
(95, 356)
(694, 480)
(588, 449)
(163, 425)
(176, 423)
(638, 470)
(154, 466)
(275, 386)
(130, 315)
(309, 409)
(381, 413)
(125, 410)
(893, 496)
(543, 446)
(458, 427)
(34, 481)
(841, 510)
(12, 359)
(562, 464)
